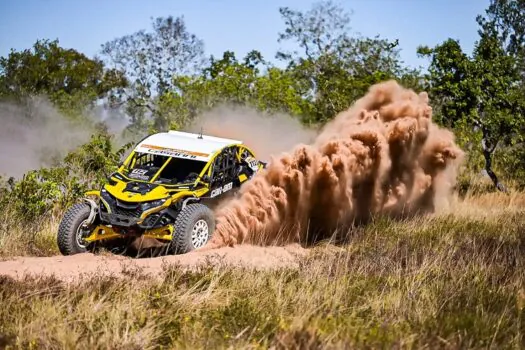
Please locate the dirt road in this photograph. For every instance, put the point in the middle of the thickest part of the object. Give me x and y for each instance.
(71, 268)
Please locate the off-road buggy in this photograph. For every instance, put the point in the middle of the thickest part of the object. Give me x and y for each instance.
(164, 190)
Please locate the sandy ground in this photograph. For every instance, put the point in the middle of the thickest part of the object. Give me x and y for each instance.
(71, 268)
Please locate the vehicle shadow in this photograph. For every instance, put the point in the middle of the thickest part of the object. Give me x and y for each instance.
(129, 248)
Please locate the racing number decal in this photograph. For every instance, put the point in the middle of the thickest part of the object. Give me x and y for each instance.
(139, 174)
(221, 190)
(252, 163)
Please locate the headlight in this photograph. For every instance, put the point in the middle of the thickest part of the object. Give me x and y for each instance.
(152, 204)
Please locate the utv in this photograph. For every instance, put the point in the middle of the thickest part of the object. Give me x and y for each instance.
(164, 190)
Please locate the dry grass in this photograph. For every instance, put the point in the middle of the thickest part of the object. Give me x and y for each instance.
(27, 239)
(454, 280)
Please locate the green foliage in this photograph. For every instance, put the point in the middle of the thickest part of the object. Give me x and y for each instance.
(42, 191)
(335, 68)
(33, 196)
(507, 18)
(235, 83)
(481, 97)
(67, 76)
(452, 87)
(500, 101)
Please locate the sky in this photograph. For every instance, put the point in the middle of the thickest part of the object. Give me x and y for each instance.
(235, 25)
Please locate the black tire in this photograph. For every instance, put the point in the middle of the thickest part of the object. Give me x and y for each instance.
(189, 218)
(67, 230)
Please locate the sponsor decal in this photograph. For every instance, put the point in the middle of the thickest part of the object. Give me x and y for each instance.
(172, 152)
(221, 190)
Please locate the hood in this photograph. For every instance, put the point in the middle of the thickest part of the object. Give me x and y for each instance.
(136, 191)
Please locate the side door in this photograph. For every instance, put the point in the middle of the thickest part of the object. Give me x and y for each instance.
(223, 172)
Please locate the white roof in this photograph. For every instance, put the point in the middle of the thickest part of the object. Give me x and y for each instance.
(183, 145)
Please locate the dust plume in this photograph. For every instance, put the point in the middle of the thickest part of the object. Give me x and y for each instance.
(381, 156)
(265, 134)
(34, 134)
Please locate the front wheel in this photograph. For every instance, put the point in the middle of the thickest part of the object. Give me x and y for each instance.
(193, 228)
(73, 229)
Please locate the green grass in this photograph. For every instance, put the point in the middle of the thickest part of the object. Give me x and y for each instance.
(452, 281)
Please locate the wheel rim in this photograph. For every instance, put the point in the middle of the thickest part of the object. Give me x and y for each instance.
(80, 234)
(199, 233)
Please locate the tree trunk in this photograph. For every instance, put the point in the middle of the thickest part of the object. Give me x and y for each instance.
(488, 150)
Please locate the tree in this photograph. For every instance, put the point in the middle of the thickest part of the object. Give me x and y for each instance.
(507, 19)
(453, 80)
(150, 60)
(66, 76)
(227, 80)
(481, 93)
(321, 31)
(335, 67)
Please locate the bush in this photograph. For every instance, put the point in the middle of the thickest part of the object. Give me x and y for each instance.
(40, 192)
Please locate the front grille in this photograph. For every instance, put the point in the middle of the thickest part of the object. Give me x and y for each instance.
(128, 212)
(127, 209)
(122, 208)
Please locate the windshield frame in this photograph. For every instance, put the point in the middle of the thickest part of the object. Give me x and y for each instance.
(129, 163)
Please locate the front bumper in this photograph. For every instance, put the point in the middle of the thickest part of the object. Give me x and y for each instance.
(153, 220)
(132, 215)
(105, 233)
(119, 220)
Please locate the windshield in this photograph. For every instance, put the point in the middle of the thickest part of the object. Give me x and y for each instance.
(145, 166)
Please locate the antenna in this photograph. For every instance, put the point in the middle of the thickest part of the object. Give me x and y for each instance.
(200, 135)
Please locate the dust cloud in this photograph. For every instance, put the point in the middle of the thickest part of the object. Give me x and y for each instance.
(381, 156)
(265, 134)
(34, 134)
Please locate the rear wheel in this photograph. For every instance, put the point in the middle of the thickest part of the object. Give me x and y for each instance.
(73, 229)
(193, 228)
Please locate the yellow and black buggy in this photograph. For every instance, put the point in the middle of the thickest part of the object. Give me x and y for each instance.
(165, 190)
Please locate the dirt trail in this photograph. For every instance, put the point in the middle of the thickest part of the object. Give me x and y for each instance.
(71, 268)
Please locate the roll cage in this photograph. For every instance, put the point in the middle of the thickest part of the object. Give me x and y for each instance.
(225, 166)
